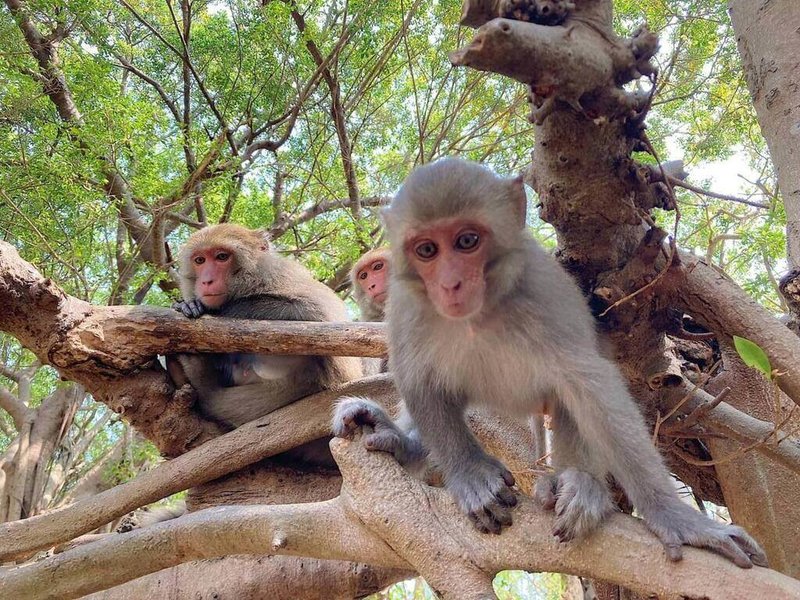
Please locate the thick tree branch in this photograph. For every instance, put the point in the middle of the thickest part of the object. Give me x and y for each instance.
(387, 518)
(259, 577)
(723, 307)
(281, 430)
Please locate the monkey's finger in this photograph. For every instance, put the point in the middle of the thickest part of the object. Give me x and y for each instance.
(506, 497)
(383, 442)
(750, 547)
(508, 477)
(731, 550)
(501, 515)
(485, 520)
(674, 551)
(545, 491)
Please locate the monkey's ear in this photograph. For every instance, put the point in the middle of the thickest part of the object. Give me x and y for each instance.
(265, 240)
(519, 200)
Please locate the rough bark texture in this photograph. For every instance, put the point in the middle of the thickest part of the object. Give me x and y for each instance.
(768, 35)
(399, 523)
(259, 578)
(749, 479)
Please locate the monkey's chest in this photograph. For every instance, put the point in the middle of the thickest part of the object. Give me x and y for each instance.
(495, 370)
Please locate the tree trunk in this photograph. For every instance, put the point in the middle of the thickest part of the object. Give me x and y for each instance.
(768, 35)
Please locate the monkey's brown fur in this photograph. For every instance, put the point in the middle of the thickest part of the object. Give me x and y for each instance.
(262, 285)
(370, 310)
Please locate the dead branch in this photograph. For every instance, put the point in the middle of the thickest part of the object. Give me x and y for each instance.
(733, 423)
(723, 307)
(281, 430)
(387, 518)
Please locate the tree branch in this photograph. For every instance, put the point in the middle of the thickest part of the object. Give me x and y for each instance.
(387, 518)
(281, 430)
(723, 307)
(740, 426)
(15, 408)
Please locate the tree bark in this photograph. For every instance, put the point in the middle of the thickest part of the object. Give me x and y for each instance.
(258, 578)
(769, 45)
(387, 518)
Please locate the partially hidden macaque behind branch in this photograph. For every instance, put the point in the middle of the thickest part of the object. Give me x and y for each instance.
(231, 271)
(481, 314)
(369, 279)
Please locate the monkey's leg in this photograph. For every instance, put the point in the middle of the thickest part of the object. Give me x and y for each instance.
(401, 441)
(479, 483)
(609, 423)
(577, 491)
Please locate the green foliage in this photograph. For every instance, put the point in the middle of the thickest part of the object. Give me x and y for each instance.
(403, 103)
(752, 355)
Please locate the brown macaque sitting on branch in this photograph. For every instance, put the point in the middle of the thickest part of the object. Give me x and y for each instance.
(543, 12)
(230, 271)
(481, 314)
(369, 278)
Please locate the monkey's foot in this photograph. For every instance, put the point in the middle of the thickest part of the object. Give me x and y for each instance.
(192, 308)
(678, 523)
(482, 489)
(351, 414)
(580, 501)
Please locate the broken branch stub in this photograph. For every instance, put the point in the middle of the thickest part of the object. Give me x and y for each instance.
(578, 64)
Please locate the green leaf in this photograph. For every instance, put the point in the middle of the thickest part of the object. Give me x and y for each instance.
(752, 355)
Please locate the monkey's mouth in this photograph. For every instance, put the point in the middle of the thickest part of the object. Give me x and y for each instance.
(380, 297)
(214, 300)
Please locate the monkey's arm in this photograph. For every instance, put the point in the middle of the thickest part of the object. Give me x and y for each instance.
(613, 431)
(479, 483)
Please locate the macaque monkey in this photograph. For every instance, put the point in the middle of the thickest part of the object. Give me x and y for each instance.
(230, 271)
(369, 278)
(481, 314)
(542, 12)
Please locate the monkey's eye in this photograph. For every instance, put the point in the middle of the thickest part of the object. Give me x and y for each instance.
(362, 275)
(222, 256)
(467, 241)
(426, 250)
(377, 266)
(199, 260)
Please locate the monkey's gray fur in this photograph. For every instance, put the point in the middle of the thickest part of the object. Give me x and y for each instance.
(533, 342)
(233, 389)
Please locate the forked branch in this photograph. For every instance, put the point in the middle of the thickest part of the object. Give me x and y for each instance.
(387, 518)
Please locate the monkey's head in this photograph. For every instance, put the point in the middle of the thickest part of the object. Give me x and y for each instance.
(456, 232)
(369, 277)
(216, 263)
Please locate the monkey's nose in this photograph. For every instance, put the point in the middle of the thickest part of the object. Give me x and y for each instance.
(451, 288)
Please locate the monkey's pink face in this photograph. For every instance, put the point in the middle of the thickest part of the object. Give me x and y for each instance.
(212, 269)
(372, 280)
(450, 257)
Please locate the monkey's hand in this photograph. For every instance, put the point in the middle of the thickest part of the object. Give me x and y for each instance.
(482, 489)
(190, 308)
(351, 414)
(580, 501)
(676, 523)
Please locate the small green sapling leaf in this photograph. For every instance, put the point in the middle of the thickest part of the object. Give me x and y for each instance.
(752, 355)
